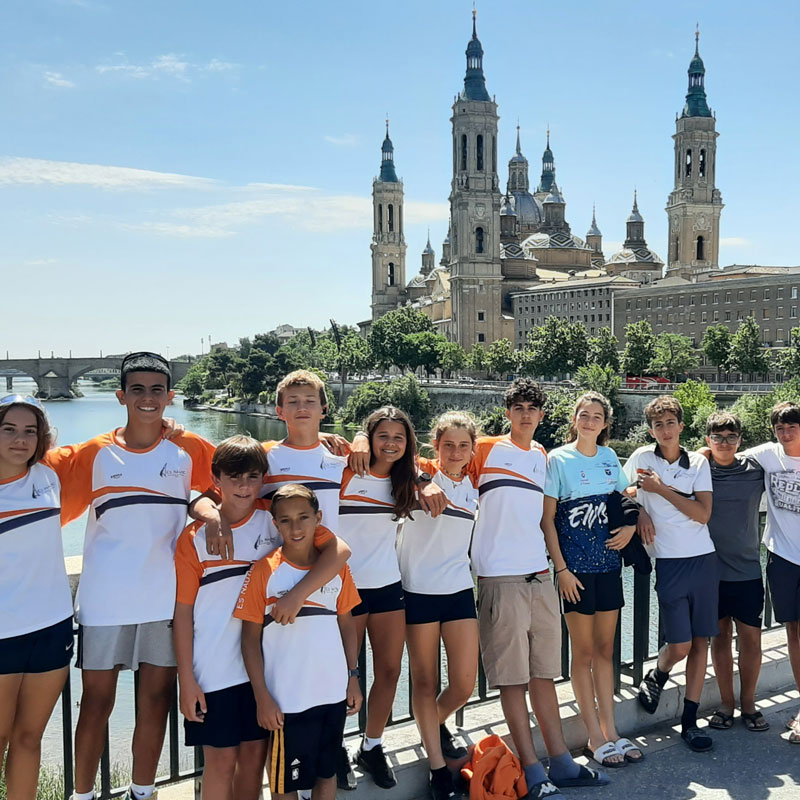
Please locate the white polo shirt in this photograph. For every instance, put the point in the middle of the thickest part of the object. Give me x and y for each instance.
(782, 482)
(677, 536)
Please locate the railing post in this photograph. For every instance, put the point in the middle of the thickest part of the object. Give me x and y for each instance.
(641, 624)
(66, 733)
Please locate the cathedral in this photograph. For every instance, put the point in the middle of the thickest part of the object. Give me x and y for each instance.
(501, 243)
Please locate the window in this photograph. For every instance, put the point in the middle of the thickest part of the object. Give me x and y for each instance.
(716, 299)
(727, 316)
(659, 303)
(779, 314)
(380, 217)
(688, 163)
(766, 294)
(704, 316)
(765, 313)
(481, 337)
(390, 274)
(481, 316)
(716, 316)
(658, 320)
(739, 315)
(779, 335)
(701, 166)
(692, 300)
(464, 153)
(390, 217)
(479, 153)
(780, 292)
(727, 297)
(740, 296)
(649, 303)
(794, 293)
(700, 248)
(478, 240)
(752, 295)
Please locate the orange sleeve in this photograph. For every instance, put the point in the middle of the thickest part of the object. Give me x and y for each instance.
(201, 451)
(348, 598)
(322, 536)
(188, 569)
(252, 600)
(482, 449)
(347, 476)
(73, 465)
(427, 465)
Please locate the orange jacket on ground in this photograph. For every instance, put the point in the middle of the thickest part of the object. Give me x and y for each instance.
(494, 772)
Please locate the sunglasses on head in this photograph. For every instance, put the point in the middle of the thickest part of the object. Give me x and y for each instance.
(18, 399)
(145, 354)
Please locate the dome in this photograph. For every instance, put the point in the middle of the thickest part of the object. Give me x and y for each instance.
(635, 255)
(527, 208)
(540, 241)
(554, 196)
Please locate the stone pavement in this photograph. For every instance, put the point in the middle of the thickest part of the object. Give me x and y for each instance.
(742, 765)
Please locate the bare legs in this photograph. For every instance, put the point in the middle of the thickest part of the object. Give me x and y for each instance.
(234, 773)
(749, 664)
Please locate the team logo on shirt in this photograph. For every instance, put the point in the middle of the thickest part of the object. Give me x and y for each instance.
(327, 589)
(785, 490)
(586, 515)
(117, 475)
(166, 472)
(328, 463)
(38, 491)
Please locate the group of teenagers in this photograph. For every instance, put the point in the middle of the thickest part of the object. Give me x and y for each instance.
(300, 548)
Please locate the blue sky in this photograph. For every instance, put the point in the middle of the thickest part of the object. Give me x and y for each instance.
(174, 170)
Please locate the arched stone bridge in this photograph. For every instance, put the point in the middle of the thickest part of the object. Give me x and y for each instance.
(55, 376)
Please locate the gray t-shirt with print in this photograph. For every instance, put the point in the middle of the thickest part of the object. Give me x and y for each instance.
(734, 524)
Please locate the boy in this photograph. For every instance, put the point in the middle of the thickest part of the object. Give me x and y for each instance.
(738, 484)
(781, 463)
(675, 490)
(215, 696)
(518, 614)
(136, 485)
(304, 675)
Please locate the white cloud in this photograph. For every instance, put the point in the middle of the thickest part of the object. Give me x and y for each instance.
(35, 171)
(346, 140)
(169, 65)
(179, 231)
(40, 262)
(57, 80)
(735, 241)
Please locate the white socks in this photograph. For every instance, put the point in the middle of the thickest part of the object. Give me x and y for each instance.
(370, 743)
(83, 795)
(142, 792)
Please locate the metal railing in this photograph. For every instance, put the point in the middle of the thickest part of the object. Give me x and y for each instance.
(638, 620)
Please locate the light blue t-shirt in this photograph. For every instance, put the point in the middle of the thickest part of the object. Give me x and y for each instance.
(571, 475)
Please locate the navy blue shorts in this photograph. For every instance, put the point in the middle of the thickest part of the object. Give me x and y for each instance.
(688, 597)
(602, 591)
(742, 601)
(44, 650)
(783, 577)
(380, 600)
(306, 748)
(230, 719)
(424, 608)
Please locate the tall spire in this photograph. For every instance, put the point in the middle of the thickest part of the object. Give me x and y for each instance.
(474, 80)
(696, 102)
(635, 226)
(594, 230)
(388, 174)
(519, 149)
(635, 215)
(548, 167)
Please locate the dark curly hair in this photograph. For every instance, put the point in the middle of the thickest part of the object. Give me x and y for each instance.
(403, 473)
(525, 390)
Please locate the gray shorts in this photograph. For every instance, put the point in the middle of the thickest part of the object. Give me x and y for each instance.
(126, 646)
(519, 624)
(688, 597)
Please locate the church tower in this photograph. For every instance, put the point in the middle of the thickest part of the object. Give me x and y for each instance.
(388, 242)
(594, 238)
(475, 272)
(694, 206)
(548, 171)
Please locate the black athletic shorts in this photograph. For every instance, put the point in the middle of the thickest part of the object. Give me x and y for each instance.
(602, 591)
(230, 719)
(44, 650)
(380, 600)
(306, 748)
(423, 608)
(784, 588)
(742, 601)
(688, 597)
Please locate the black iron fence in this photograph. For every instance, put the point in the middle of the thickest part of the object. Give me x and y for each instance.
(637, 641)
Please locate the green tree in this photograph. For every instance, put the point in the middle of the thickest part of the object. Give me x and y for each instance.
(422, 350)
(787, 361)
(356, 354)
(268, 342)
(244, 346)
(194, 382)
(717, 346)
(697, 402)
(500, 357)
(386, 335)
(476, 360)
(640, 345)
(604, 349)
(753, 410)
(452, 357)
(595, 378)
(674, 355)
(746, 354)
(494, 422)
(555, 348)
(364, 400)
(552, 429)
(404, 392)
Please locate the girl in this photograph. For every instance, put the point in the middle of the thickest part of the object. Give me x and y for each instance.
(438, 586)
(580, 477)
(369, 512)
(36, 637)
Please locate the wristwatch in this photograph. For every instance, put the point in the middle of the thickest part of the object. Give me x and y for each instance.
(354, 673)
(423, 477)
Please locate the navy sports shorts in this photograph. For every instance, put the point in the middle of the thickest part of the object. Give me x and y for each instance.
(380, 600)
(602, 591)
(230, 719)
(742, 601)
(424, 608)
(783, 577)
(44, 650)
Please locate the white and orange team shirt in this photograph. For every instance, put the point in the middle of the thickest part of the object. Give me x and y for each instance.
(508, 538)
(34, 589)
(304, 663)
(137, 503)
(212, 585)
(315, 467)
(368, 526)
(434, 552)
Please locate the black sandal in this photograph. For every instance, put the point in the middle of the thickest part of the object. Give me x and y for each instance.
(721, 721)
(698, 741)
(755, 722)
